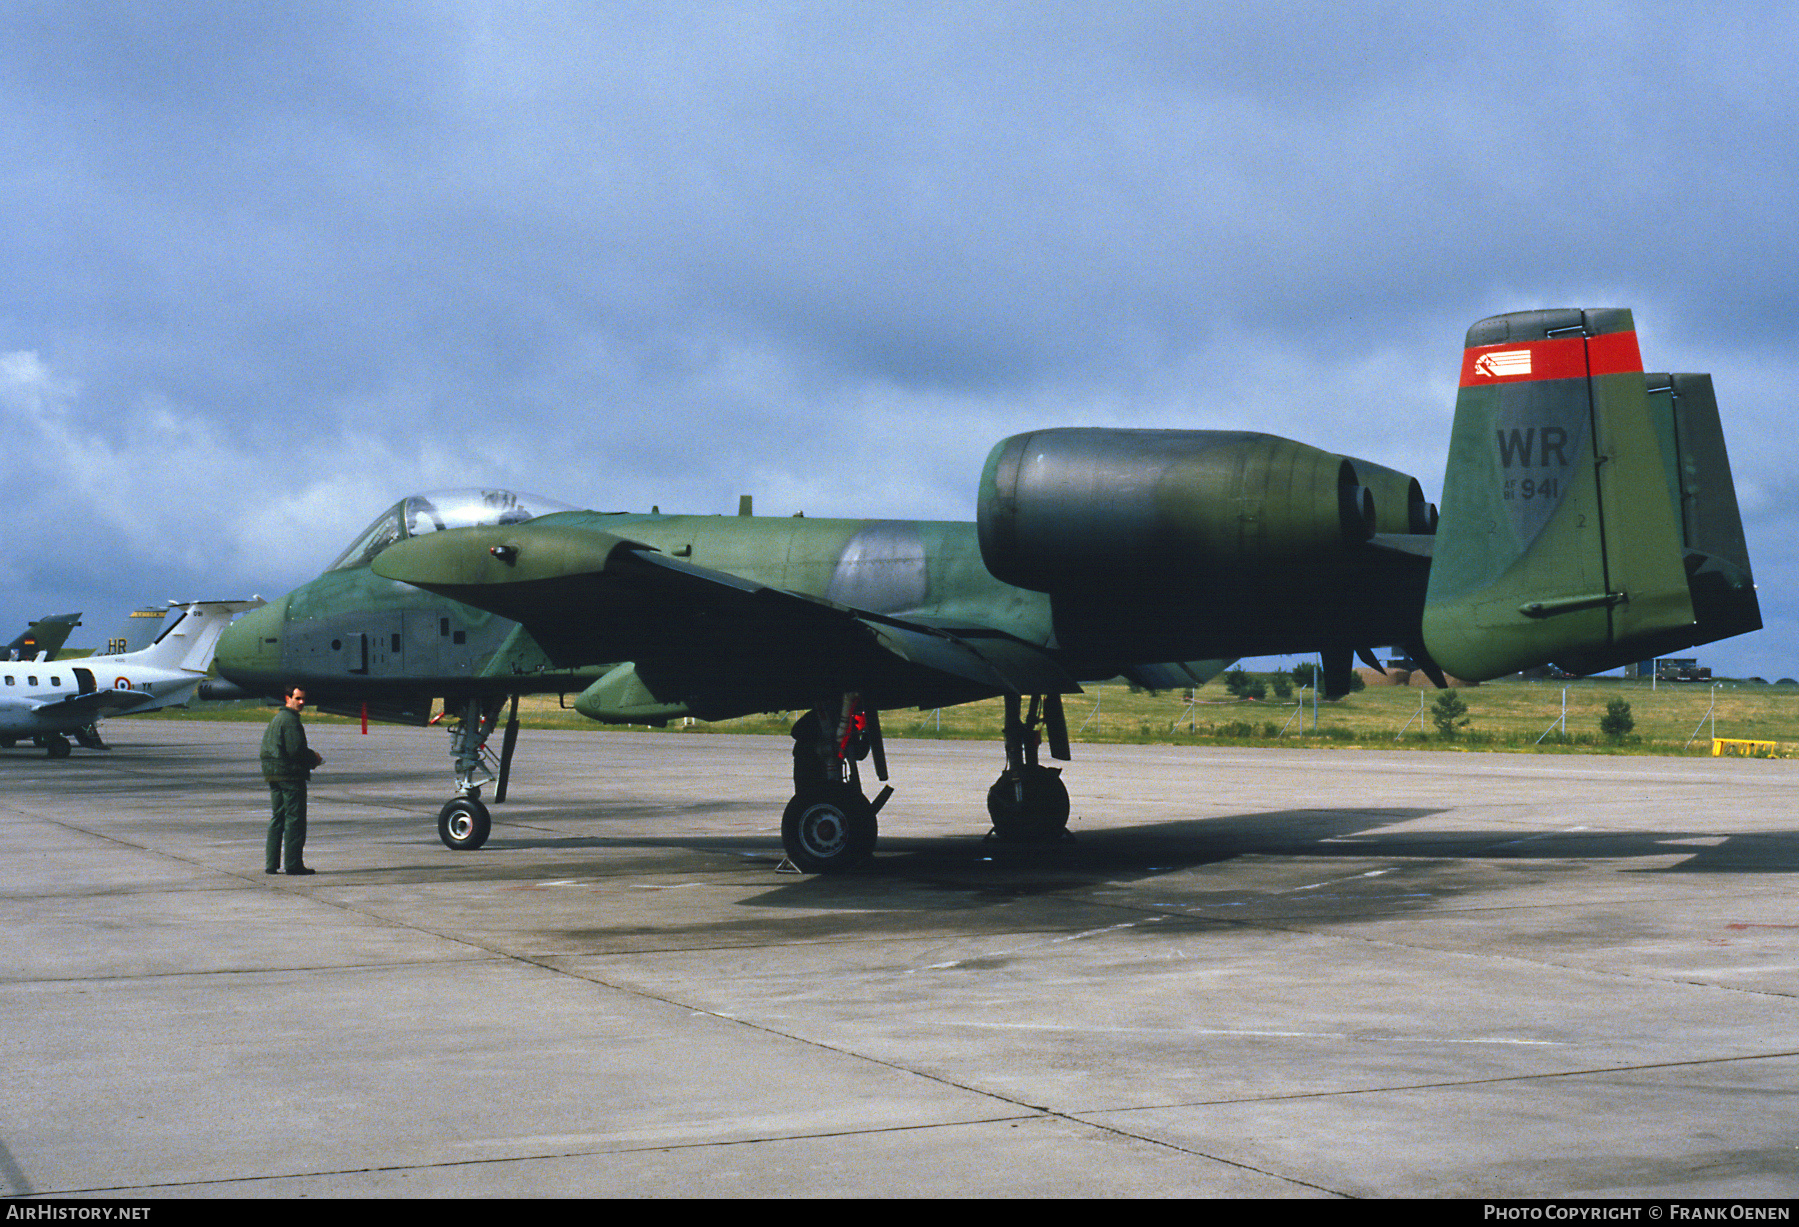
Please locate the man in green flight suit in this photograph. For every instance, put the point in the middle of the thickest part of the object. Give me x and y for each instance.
(286, 764)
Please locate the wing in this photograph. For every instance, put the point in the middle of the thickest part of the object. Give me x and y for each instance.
(1176, 674)
(714, 640)
(84, 708)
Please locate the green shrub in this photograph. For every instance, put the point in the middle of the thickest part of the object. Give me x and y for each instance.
(1617, 723)
(1450, 714)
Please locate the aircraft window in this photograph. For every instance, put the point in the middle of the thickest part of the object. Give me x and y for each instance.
(9, 680)
(55, 680)
(32, 680)
(437, 510)
(375, 538)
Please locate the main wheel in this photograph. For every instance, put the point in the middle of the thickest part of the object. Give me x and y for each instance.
(828, 831)
(1029, 806)
(463, 824)
(59, 747)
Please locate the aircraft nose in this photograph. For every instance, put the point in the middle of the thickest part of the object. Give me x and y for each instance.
(251, 646)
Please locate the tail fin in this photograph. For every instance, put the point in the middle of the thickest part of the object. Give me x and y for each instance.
(46, 635)
(1588, 514)
(189, 641)
(140, 630)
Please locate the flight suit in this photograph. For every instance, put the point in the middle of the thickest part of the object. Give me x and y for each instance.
(286, 764)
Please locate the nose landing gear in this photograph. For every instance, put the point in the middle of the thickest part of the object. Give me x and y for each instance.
(463, 824)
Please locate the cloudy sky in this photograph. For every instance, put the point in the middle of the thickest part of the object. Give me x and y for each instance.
(270, 267)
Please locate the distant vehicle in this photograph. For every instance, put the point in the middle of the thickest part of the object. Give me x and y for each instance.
(1681, 669)
(48, 701)
(44, 637)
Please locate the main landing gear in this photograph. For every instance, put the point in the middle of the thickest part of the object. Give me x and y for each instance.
(55, 744)
(463, 823)
(829, 826)
(1029, 802)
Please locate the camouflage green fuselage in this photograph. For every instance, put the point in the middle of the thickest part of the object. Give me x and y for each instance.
(352, 637)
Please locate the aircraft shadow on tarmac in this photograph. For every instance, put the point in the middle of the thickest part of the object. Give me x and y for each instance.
(1156, 849)
(1149, 848)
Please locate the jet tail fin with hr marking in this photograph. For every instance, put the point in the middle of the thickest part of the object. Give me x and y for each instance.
(188, 642)
(1588, 517)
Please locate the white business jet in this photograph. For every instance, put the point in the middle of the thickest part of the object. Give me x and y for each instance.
(48, 700)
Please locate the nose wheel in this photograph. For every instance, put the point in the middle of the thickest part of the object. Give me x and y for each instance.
(463, 824)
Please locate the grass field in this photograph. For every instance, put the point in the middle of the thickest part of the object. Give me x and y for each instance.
(1504, 715)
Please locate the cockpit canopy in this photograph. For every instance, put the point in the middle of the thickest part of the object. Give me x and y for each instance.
(436, 510)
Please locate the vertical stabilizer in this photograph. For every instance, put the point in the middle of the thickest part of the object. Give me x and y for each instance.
(1697, 468)
(44, 636)
(1561, 534)
(188, 642)
(141, 628)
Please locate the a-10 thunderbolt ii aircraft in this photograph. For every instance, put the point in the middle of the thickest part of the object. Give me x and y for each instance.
(1588, 520)
(48, 701)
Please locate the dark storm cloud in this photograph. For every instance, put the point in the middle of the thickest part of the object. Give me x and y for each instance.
(306, 258)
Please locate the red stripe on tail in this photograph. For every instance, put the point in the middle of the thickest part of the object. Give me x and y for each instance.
(1610, 353)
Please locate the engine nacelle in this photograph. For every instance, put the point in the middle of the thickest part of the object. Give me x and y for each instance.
(1073, 507)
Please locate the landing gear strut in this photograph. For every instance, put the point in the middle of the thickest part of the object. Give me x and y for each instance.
(1029, 802)
(829, 826)
(463, 823)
